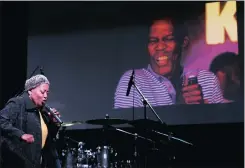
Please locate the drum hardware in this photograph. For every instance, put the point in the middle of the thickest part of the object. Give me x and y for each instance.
(85, 158)
(145, 104)
(69, 124)
(171, 137)
(136, 161)
(106, 125)
(107, 121)
(73, 140)
(148, 124)
(104, 156)
(154, 126)
(135, 135)
(69, 155)
(64, 126)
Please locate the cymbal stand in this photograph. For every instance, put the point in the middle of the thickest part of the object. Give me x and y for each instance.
(136, 153)
(105, 131)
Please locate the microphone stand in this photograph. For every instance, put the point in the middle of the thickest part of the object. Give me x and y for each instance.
(145, 103)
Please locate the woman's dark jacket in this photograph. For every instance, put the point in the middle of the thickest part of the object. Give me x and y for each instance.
(20, 116)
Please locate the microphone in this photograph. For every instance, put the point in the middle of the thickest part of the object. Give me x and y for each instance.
(52, 113)
(130, 83)
(41, 70)
(192, 80)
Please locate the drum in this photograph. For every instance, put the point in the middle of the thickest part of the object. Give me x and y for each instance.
(106, 157)
(69, 158)
(124, 164)
(85, 158)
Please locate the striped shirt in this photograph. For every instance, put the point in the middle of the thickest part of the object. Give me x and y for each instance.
(166, 82)
(157, 92)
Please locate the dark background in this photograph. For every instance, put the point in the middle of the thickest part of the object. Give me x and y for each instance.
(216, 145)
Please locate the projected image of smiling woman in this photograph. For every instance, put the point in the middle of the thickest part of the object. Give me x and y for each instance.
(161, 81)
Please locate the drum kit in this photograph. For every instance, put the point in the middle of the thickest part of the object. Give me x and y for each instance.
(107, 156)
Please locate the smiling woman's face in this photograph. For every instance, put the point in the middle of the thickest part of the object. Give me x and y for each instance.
(162, 46)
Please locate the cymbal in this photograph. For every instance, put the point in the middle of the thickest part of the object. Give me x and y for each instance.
(147, 124)
(109, 121)
(68, 124)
